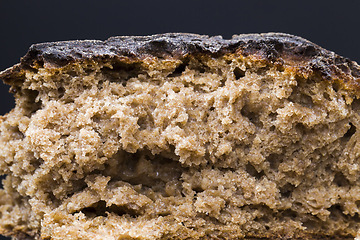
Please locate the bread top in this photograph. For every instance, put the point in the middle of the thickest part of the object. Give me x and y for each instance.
(283, 50)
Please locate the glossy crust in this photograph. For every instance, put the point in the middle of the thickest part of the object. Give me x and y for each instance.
(280, 49)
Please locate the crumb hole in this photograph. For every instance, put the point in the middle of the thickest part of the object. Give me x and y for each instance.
(238, 73)
(15, 133)
(31, 105)
(273, 116)
(96, 118)
(120, 72)
(327, 96)
(340, 180)
(89, 69)
(357, 202)
(61, 92)
(336, 86)
(100, 209)
(274, 160)
(36, 162)
(72, 73)
(145, 168)
(179, 70)
(310, 224)
(121, 210)
(302, 99)
(197, 189)
(356, 105)
(1, 181)
(336, 212)
(253, 172)
(350, 132)
(201, 69)
(253, 116)
(222, 82)
(286, 190)
(262, 71)
(300, 128)
(290, 213)
(142, 122)
(280, 68)
(199, 88)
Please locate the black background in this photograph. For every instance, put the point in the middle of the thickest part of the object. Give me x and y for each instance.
(333, 25)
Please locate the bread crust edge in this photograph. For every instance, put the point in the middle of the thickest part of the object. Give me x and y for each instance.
(283, 50)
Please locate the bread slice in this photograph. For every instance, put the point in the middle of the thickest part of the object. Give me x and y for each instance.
(182, 136)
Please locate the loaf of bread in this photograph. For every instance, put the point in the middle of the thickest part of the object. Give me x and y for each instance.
(182, 136)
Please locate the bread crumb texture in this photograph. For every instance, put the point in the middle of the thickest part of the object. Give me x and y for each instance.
(198, 147)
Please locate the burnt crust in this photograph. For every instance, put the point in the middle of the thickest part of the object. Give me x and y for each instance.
(303, 56)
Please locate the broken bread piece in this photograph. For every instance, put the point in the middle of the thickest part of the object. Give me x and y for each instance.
(181, 136)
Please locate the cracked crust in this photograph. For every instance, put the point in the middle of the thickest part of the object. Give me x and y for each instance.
(305, 57)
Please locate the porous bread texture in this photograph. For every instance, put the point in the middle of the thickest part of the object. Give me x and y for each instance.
(192, 148)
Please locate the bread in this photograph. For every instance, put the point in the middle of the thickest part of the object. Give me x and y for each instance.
(182, 136)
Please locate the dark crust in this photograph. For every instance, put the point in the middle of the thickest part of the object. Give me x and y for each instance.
(305, 57)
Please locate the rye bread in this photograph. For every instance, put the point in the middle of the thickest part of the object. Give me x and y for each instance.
(181, 136)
